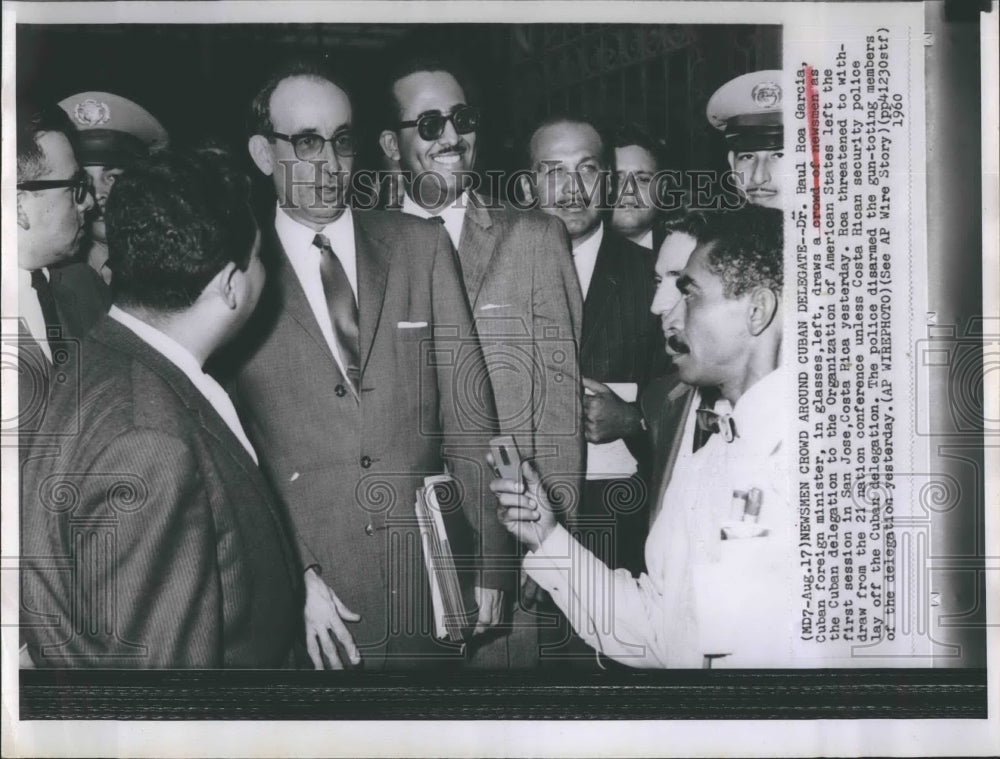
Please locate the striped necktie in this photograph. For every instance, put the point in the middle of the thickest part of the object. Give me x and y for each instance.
(342, 306)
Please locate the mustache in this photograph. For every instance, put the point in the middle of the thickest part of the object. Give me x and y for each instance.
(677, 345)
(454, 150)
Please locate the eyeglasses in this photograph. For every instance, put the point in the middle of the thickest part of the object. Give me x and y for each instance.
(430, 126)
(79, 182)
(308, 146)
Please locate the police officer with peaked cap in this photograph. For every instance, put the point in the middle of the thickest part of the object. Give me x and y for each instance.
(748, 110)
(112, 132)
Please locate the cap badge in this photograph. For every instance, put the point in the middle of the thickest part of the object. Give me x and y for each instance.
(92, 112)
(766, 95)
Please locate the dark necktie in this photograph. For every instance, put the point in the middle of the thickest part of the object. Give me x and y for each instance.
(342, 306)
(40, 284)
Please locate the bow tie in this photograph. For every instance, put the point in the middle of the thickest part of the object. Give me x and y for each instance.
(712, 421)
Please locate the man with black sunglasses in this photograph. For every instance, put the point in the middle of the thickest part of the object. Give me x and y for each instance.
(344, 388)
(519, 280)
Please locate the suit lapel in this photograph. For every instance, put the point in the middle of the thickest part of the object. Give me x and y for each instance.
(373, 257)
(603, 287)
(477, 246)
(80, 295)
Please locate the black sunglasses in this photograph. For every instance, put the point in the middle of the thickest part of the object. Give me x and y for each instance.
(79, 182)
(430, 126)
(308, 146)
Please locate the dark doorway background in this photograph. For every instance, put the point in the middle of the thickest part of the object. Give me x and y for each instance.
(199, 79)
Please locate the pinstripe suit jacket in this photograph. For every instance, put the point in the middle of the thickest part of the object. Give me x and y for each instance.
(149, 536)
(622, 340)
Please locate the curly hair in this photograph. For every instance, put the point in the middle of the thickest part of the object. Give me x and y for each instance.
(174, 221)
(746, 248)
(685, 219)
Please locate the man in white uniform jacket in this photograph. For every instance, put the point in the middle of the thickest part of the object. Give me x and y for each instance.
(721, 583)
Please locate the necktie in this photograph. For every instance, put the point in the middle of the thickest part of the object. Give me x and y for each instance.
(703, 430)
(40, 284)
(438, 219)
(717, 421)
(342, 306)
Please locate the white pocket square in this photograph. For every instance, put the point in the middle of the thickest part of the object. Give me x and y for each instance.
(411, 325)
(494, 306)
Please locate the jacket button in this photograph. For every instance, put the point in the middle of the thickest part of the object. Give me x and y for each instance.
(366, 461)
(340, 391)
(369, 529)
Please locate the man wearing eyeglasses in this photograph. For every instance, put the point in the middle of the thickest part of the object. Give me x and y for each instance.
(58, 297)
(350, 386)
(519, 280)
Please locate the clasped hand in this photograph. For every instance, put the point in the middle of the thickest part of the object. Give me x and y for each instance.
(607, 417)
(524, 506)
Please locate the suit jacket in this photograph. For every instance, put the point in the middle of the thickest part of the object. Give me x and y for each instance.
(622, 341)
(524, 295)
(348, 468)
(149, 536)
(81, 298)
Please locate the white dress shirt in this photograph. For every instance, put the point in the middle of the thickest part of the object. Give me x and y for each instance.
(31, 310)
(646, 240)
(453, 215)
(703, 596)
(297, 241)
(181, 357)
(585, 258)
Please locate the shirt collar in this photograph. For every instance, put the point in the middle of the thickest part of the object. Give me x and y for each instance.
(184, 360)
(646, 240)
(177, 354)
(24, 276)
(294, 235)
(453, 215)
(590, 246)
(762, 406)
